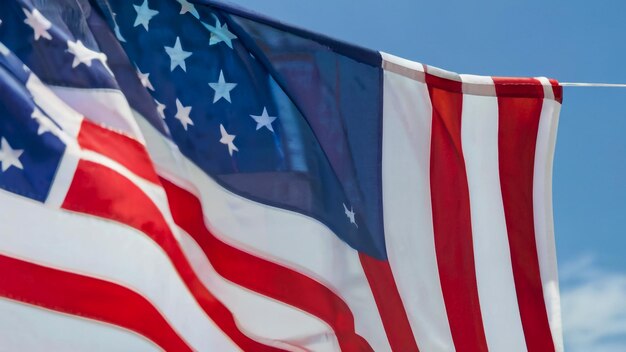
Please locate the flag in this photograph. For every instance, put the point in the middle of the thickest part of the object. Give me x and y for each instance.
(184, 175)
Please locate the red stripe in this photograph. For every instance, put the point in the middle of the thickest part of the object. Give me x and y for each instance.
(389, 303)
(262, 276)
(86, 297)
(518, 87)
(517, 136)
(100, 191)
(123, 149)
(451, 219)
(449, 85)
(557, 89)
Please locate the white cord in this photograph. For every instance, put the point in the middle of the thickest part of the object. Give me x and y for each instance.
(607, 85)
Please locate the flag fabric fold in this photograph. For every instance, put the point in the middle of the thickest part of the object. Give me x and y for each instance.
(203, 178)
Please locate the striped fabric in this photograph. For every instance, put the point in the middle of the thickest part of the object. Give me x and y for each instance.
(469, 219)
(117, 236)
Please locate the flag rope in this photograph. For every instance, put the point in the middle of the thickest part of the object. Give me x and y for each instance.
(606, 85)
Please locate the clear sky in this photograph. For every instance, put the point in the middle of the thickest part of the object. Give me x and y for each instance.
(572, 41)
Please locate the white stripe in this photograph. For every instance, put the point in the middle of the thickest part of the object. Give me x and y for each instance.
(542, 205)
(400, 61)
(153, 191)
(494, 273)
(63, 177)
(298, 243)
(407, 120)
(104, 249)
(287, 238)
(29, 328)
(107, 107)
(261, 318)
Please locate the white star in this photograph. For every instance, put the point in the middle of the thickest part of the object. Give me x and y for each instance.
(222, 89)
(177, 55)
(160, 108)
(45, 124)
(84, 55)
(145, 80)
(38, 23)
(9, 156)
(185, 7)
(220, 33)
(228, 139)
(264, 120)
(350, 215)
(182, 114)
(144, 15)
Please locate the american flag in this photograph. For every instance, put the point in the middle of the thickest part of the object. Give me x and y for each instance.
(188, 176)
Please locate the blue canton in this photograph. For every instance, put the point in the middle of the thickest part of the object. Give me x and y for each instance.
(227, 112)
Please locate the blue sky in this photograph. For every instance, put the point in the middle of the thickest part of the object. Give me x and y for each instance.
(572, 41)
